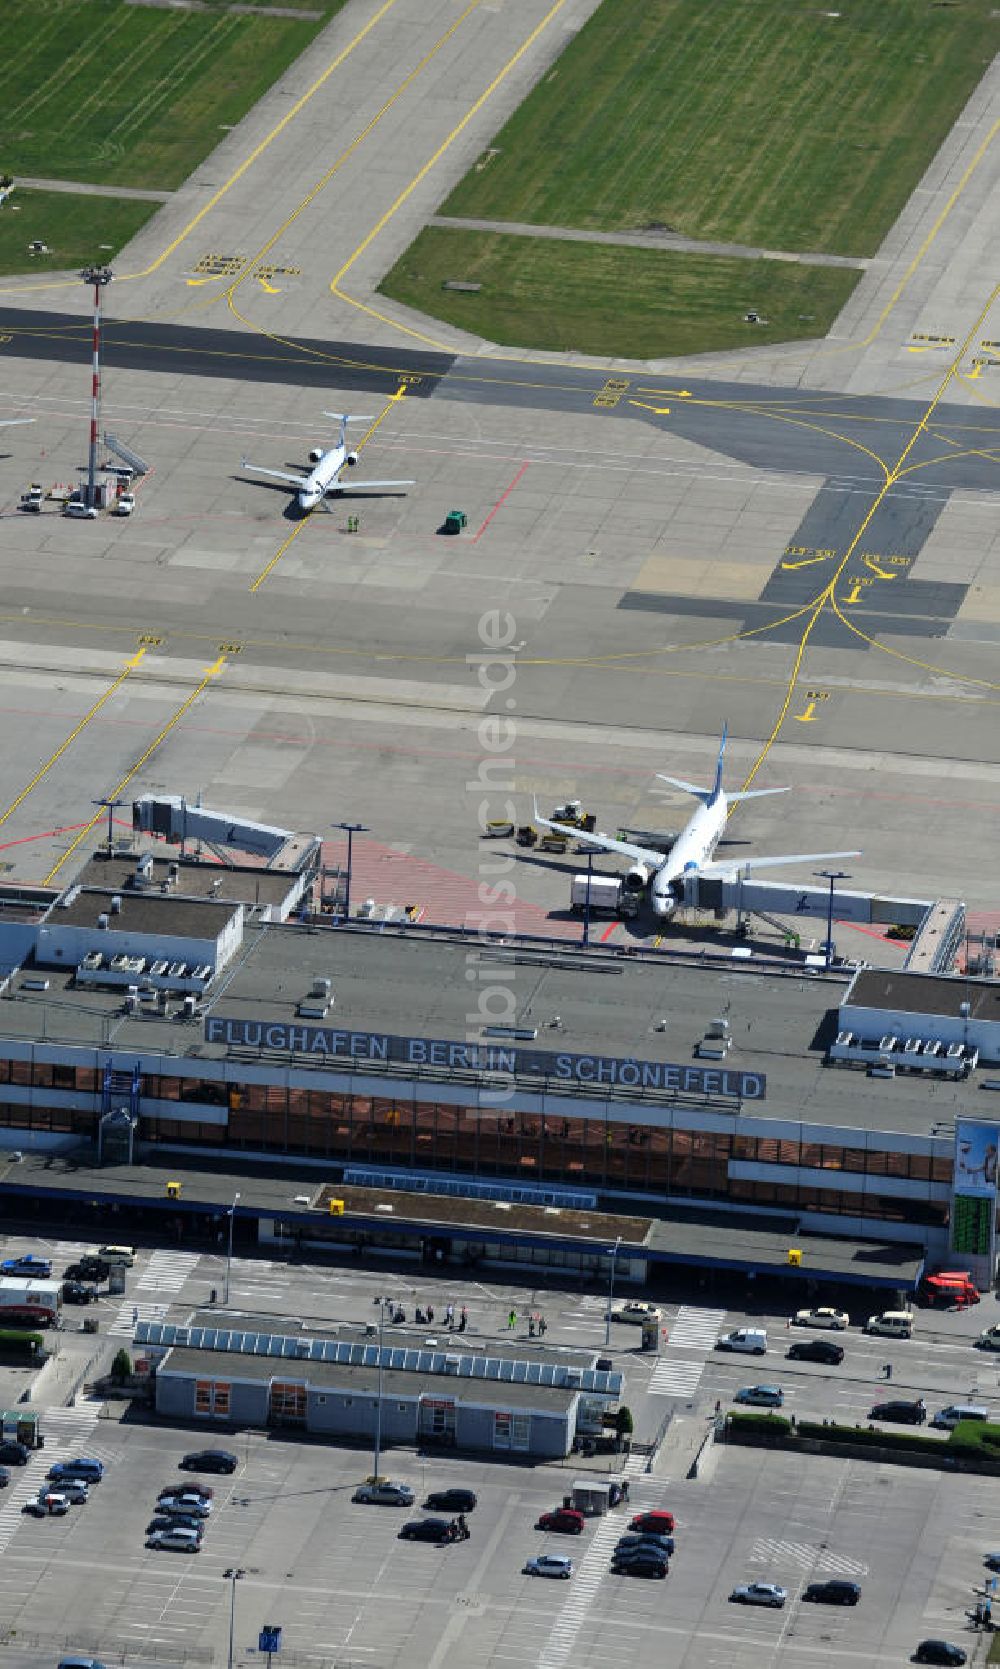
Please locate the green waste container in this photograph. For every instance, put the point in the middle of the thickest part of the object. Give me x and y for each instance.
(455, 520)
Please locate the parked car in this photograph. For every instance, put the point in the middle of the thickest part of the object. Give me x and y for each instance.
(816, 1350)
(989, 1338)
(77, 1292)
(660, 1544)
(34, 1268)
(635, 1310)
(87, 1268)
(643, 1553)
(91, 1471)
(939, 1651)
(80, 1663)
(51, 1503)
(177, 1539)
(837, 1320)
(759, 1593)
(834, 1592)
(550, 1564)
(14, 1454)
(761, 1396)
(946, 1419)
(661, 1523)
(640, 1564)
(566, 1520)
(209, 1460)
(992, 1561)
(384, 1494)
(83, 512)
(752, 1341)
(176, 1521)
(188, 1502)
(902, 1413)
(426, 1530)
(451, 1501)
(206, 1491)
(74, 1489)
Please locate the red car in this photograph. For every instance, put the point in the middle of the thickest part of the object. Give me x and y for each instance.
(659, 1523)
(566, 1519)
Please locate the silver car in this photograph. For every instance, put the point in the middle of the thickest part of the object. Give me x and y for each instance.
(384, 1493)
(550, 1564)
(759, 1593)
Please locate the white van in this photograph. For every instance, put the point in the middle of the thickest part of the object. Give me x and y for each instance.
(117, 1257)
(891, 1324)
(948, 1418)
(751, 1340)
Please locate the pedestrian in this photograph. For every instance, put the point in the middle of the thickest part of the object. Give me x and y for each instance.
(624, 1489)
(464, 1322)
(531, 1327)
(512, 1321)
(430, 1312)
(542, 1326)
(449, 1315)
(887, 1370)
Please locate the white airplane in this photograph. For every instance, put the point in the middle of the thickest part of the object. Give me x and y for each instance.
(691, 853)
(323, 480)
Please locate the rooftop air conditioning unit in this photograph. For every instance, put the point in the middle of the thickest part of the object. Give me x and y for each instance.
(104, 922)
(116, 904)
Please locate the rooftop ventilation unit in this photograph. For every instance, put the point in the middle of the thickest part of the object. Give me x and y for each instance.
(103, 922)
(116, 904)
(144, 871)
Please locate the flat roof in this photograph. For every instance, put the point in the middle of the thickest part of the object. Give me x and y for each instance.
(479, 1393)
(158, 914)
(240, 883)
(937, 994)
(717, 1239)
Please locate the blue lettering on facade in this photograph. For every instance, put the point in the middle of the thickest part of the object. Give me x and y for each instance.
(606, 1070)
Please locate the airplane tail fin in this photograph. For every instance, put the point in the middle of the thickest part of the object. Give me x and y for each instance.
(346, 417)
(717, 785)
(707, 796)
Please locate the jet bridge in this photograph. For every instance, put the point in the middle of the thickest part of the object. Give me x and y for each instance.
(175, 819)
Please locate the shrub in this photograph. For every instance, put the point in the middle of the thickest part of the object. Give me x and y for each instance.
(121, 1367)
(874, 1438)
(774, 1425)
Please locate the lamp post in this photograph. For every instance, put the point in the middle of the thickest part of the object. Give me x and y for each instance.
(831, 875)
(232, 1576)
(350, 829)
(586, 902)
(381, 1302)
(111, 806)
(229, 1254)
(613, 1254)
(97, 277)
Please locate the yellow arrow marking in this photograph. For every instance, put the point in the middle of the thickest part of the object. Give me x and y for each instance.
(661, 411)
(870, 562)
(855, 596)
(809, 716)
(807, 563)
(977, 370)
(213, 278)
(678, 393)
(272, 289)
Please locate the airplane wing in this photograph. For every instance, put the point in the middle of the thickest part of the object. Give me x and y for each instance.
(275, 474)
(352, 486)
(605, 843)
(731, 868)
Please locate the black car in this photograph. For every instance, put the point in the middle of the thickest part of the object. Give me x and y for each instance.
(645, 1539)
(834, 1592)
(639, 1561)
(939, 1651)
(451, 1501)
(176, 1521)
(816, 1350)
(902, 1413)
(87, 1269)
(14, 1454)
(77, 1292)
(426, 1530)
(209, 1460)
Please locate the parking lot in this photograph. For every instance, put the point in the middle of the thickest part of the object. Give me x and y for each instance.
(346, 1590)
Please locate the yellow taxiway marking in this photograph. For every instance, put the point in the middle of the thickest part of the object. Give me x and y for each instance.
(660, 411)
(870, 562)
(130, 666)
(678, 393)
(211, 672)
(809, 716)
(807, 563)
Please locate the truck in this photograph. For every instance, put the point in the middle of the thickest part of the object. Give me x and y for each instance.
(607, 893)
(949, 1287)
(29, 1303)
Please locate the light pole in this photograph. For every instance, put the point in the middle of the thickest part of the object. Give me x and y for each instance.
(229, 1254)
(378, 1398)
(613, 1254)
(232, 1576)
(111, 807)
(98, 277)
(350, 829)
(831, 875)
(586, 902)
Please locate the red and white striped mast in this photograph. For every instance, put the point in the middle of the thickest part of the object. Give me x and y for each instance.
(98, 277)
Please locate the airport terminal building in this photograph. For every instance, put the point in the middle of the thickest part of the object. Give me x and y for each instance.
(137, 1022)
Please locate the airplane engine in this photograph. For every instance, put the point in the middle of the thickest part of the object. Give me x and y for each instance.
(351, 459)
(637, 879)
(316, 454)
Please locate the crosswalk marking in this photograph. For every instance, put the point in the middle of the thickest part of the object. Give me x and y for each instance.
(806, 1556)
(676, 1379)
(129, 1314)
(167, 1271)
(70, 1427)
(584, 1584)
(696, 1328)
